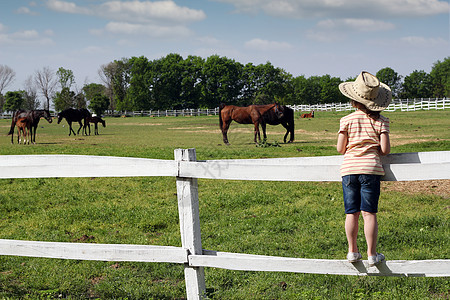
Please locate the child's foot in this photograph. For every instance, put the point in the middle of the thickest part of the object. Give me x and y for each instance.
(354, 257)
(376, 259)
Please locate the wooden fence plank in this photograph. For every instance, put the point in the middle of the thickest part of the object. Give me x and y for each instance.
(101, 252)
(40, 166)
(249, 262)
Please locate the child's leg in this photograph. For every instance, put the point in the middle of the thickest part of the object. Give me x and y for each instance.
(370, 232)
(351, 230)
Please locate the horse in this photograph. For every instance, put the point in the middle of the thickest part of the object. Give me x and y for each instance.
(251, 114)
(287, 120)
(95, 120)
(74, 115)
(33, 116)
(310, 115)
(23, 125)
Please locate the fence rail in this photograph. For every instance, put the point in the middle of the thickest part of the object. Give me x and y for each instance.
(186, 169)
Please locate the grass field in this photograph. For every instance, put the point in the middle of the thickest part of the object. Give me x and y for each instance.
(295, 219)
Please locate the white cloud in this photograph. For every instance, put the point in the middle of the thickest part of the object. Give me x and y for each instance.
(26, 11)
(67, 7)
(355, 24)
(341, 8)
(147, 29)
(23, 37)
(424, 41)
(265, 45)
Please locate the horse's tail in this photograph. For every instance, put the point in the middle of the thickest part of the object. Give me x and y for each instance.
(221, 106)
(13, 123)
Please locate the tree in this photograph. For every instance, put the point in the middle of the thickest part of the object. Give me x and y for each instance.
(418, 84)
(99, 103)
(391, 78)
(440, 77)
(30, 95)
(7, 76)
(93, 89)
(64, 99)
(46, 83)
(65, 78)
(105, 77)
(14, 100)
(139, 93)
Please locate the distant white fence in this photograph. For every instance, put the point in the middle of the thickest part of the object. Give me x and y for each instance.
(186, 169)
(396, 104)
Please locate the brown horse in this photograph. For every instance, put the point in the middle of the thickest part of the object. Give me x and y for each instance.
(95, 120)
(34, 116)
(310, 115)
(251, 114)
(23, 125)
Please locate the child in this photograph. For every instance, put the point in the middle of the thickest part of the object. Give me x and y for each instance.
(363, 137)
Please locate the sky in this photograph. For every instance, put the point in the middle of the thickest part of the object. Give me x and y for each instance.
(340, 38)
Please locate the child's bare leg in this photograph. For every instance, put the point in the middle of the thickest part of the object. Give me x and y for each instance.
(351, 230)
(371, 232)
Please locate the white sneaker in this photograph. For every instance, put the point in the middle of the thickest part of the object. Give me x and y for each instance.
(376, 259)
(354, 257)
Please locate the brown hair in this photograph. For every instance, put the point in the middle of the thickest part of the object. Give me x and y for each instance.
(372, 114)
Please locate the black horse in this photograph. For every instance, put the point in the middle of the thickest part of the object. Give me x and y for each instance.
(33, 117)
(74, 115)
(287, 120)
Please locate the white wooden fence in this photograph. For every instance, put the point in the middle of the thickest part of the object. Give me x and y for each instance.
(185, 167)
(396, 104)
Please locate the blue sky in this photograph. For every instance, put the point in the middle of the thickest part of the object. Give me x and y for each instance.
(304, 37)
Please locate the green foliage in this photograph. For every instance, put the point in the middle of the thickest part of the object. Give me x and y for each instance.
(440, 75)
(391, 78)
(14, 100)
(65, 77)
(417, 85)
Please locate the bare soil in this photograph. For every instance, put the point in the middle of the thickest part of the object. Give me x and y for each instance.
(430, 187)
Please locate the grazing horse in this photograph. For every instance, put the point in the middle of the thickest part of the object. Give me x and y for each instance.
(251, 114)
(23, 125)
(74, 115)
(33, 116)
(310, 115)
(95, 120)
(287, 120)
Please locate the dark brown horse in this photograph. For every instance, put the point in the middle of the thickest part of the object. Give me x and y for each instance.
(74, 115)
(95, 120)
(33, 116)
(287, 120)
(251, 114)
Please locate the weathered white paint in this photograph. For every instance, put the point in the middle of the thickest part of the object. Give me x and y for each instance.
(40, 166)
(189, 214)
(102, 252)
(249, 262)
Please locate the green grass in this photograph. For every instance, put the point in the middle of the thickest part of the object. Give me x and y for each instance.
(292, 219)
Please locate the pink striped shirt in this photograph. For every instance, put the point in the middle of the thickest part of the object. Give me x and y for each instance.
(362, 154)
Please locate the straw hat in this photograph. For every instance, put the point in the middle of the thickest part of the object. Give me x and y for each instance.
(368, 90)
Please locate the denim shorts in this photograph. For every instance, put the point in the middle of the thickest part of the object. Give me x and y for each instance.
(361, 192)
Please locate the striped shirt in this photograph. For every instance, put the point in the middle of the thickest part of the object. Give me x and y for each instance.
(362, 154)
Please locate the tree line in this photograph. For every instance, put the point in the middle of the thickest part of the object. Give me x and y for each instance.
(174, 82)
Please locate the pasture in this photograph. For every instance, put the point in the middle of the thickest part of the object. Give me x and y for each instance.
(270, 218)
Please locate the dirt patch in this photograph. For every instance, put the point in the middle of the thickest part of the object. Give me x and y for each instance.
(142, 124)
(430, 187)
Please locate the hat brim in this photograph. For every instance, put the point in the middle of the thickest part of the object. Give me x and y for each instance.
(381, 102)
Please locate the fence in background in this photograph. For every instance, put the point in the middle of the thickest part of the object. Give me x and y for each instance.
(186, 169)
(397, 104)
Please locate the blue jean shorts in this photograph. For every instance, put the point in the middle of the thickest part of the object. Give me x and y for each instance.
(361, 193)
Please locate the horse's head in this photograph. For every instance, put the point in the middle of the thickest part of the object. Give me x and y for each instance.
(279, 110)
(103, 123)
(47, 115)
(60, 117)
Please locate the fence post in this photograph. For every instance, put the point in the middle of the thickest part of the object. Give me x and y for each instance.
(188, 209)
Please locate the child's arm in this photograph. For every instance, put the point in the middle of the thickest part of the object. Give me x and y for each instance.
(385, 144)
(342, 142)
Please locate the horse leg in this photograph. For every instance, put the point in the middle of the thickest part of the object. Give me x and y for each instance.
(70, 129)
(257, 132)
(225, 126)
(81, 126)
(96, 129)
(263, 126)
